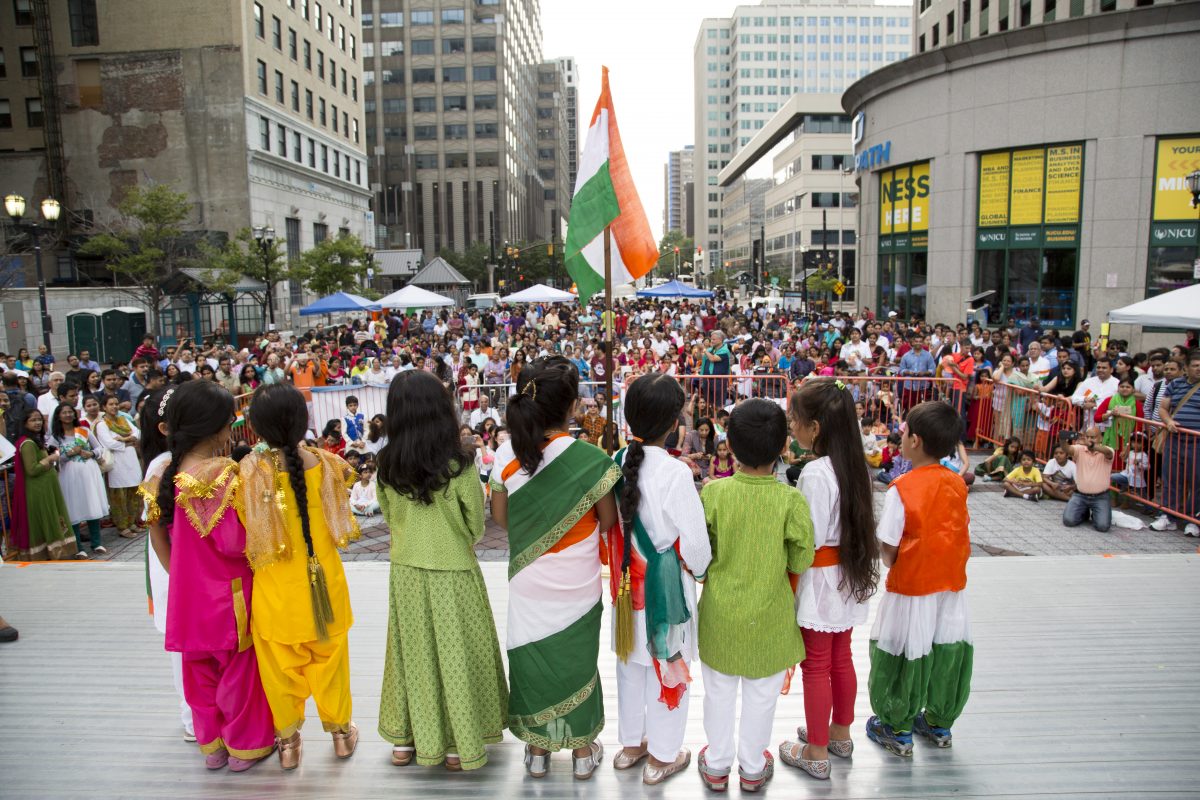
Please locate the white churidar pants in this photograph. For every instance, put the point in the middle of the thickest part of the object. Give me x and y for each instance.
(642, 716)
(759, 696)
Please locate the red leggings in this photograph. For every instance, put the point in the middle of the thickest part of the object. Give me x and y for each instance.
(830, 684)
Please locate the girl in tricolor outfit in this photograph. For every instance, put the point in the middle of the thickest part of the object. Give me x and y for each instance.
(921, 651)
(296, 504)
(198, 538)
(553, 494)
(662, 549)
(833, 593)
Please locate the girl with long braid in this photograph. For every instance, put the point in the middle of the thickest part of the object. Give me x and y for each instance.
(198, 538)
(295, 502)
(663, 548)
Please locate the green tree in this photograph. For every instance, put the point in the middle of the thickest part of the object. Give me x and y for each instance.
(146, 246)
(666, 247)
(335, 265)
(243, 256)
(822, 281)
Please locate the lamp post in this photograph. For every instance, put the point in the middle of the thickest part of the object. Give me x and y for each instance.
(14, 204)
(265, 236)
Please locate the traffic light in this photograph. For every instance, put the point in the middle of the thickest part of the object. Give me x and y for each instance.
(676, 249)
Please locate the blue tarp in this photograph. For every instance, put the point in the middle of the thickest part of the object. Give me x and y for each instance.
(674, 289)
(342, 301)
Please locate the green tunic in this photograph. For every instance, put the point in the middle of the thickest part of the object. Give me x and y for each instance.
(51, 536)
(760, 531)
(444, 689)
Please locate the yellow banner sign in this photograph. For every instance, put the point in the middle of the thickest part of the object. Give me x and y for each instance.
(1028, 176)
(993, 190)
(904, 199)
(1064, 181)
(1177, 158)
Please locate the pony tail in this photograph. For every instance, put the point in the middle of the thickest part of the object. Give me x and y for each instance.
(295, 470)
(859, 549)
(166, 490)
(631, 494)
(528, 430)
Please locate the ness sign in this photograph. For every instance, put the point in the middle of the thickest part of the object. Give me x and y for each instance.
(872, 157)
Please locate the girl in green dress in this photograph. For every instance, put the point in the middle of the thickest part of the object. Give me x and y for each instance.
(444, 694)
(41, 524)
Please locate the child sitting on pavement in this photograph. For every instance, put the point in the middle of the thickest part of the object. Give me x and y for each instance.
(1025, 481)
(1058, 478)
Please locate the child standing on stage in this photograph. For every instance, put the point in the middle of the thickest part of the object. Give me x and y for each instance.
(663, 549)
(296, 505)
(199, 539)
(760, 531)
(444, 694)
(833, 594)
(921, 651)
(156, 455)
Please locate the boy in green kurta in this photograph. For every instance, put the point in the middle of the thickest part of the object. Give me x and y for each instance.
(760, 530)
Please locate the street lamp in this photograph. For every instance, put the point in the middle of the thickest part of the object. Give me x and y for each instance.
(265, 236)
(1193, 185)
(14, 204)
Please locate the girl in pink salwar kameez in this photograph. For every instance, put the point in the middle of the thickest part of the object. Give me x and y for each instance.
(208, 608)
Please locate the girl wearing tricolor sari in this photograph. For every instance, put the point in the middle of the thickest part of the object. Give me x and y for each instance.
(554, 496)
(664, 543)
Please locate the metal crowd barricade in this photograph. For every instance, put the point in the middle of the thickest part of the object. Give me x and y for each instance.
(1000, 411)
(1168, 478)
(888, 398)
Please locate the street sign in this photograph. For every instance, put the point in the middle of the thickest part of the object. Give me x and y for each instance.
(839, 288)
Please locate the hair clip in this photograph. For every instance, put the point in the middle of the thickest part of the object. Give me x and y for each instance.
(530, 389)
(162, 406)
(637, 439)
(841, 386)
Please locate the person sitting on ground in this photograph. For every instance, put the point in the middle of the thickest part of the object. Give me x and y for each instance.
(960, 463)
(363, 500)
(1025, 481)
(1058, 478)
(900, 464)
(1093, 474)
(1001, 462)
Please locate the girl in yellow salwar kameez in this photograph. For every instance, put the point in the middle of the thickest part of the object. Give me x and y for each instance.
(295, 503)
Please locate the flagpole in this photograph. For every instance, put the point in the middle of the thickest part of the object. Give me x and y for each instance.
(610, 426)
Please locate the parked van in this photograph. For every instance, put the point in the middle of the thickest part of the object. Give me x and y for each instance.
(478, 301)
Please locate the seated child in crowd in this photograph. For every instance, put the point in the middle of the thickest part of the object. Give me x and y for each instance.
(1025, 481)
(1001, 462)
(363, 501)
(1058, 478)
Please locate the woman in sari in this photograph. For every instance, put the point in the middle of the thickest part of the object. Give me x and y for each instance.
(41, 525)
(118, 435)
(1001, 409)
(554, 496)
(79, 476)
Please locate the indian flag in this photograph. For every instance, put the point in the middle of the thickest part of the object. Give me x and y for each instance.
(604, 196)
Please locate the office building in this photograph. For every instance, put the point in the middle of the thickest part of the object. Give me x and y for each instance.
(748, 65)
(572, 80)
(677, 178)
(553, 165)
(452, 127)
(253, 109)
(1040, 173)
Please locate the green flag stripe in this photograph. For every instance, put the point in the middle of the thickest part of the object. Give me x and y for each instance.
(593, 207)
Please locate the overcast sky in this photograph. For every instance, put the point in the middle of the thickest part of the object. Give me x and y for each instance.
(647, 47)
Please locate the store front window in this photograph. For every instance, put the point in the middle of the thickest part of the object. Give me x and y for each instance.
(904, 200)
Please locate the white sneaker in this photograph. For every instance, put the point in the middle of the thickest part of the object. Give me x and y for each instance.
(1164, 523)
(1192, 529)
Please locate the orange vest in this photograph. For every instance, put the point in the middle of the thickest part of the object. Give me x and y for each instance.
(936, 543)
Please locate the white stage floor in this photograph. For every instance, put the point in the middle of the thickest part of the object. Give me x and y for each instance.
(1086, 685)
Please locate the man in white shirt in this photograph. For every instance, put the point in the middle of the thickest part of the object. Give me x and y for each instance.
(187, 361)
(482, 413)
(48, 401)
(857, 346)
(1142, 386)
(1039, 365)
(1096, 389)
(660, 346)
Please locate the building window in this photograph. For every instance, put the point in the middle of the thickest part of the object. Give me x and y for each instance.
(483, 44)
(333, 73)
(356, 130)
(312, 153)
(5, 115)
(292, 53)
(345, 124)
(456, 131)
(424, 75)
(85, 30)
(304, 14)
(262, 78)
(329, 26)
(308, 103)
(277, 34)
(23, 11)
(279, 87)
(391, 19)
(264, 133)
(422, 17)
(486, 130)
(425, 132)
(457, 160)
(452, 16)
(321, 111)
(320, 20)
(337, 164)
(3, 66)
(29, 62)
(321, 64)
(452, 46)
(454, 103)
(259, 31)
(425, 161)
(296, 97)
(354, 88)
(485, 102)
(308, 55)
(320, 232)
(297, 155)
(484, 73)
(334, 112)
(423, 105)
(342, 37)
(325, 159)
(281, 132)
(421, 47)
(454, 74)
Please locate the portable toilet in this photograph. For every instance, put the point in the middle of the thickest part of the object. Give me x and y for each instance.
(109, 334)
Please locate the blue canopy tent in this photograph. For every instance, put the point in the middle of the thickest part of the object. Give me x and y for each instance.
(674, 290)
(342, 301)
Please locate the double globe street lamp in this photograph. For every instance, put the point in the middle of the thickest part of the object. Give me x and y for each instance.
(14, 204)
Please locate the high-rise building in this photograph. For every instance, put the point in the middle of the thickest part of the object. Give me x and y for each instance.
(749, 64)
(553, 165)
(452, 128)
(252, 109)
(572, 79)
(677, 175)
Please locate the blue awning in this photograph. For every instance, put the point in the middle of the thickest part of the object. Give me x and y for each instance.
(674, 289)
(342, 301)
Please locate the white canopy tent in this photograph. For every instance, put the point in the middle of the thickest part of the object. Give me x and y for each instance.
(540, 293)
(1176, 309)
(414, 297)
